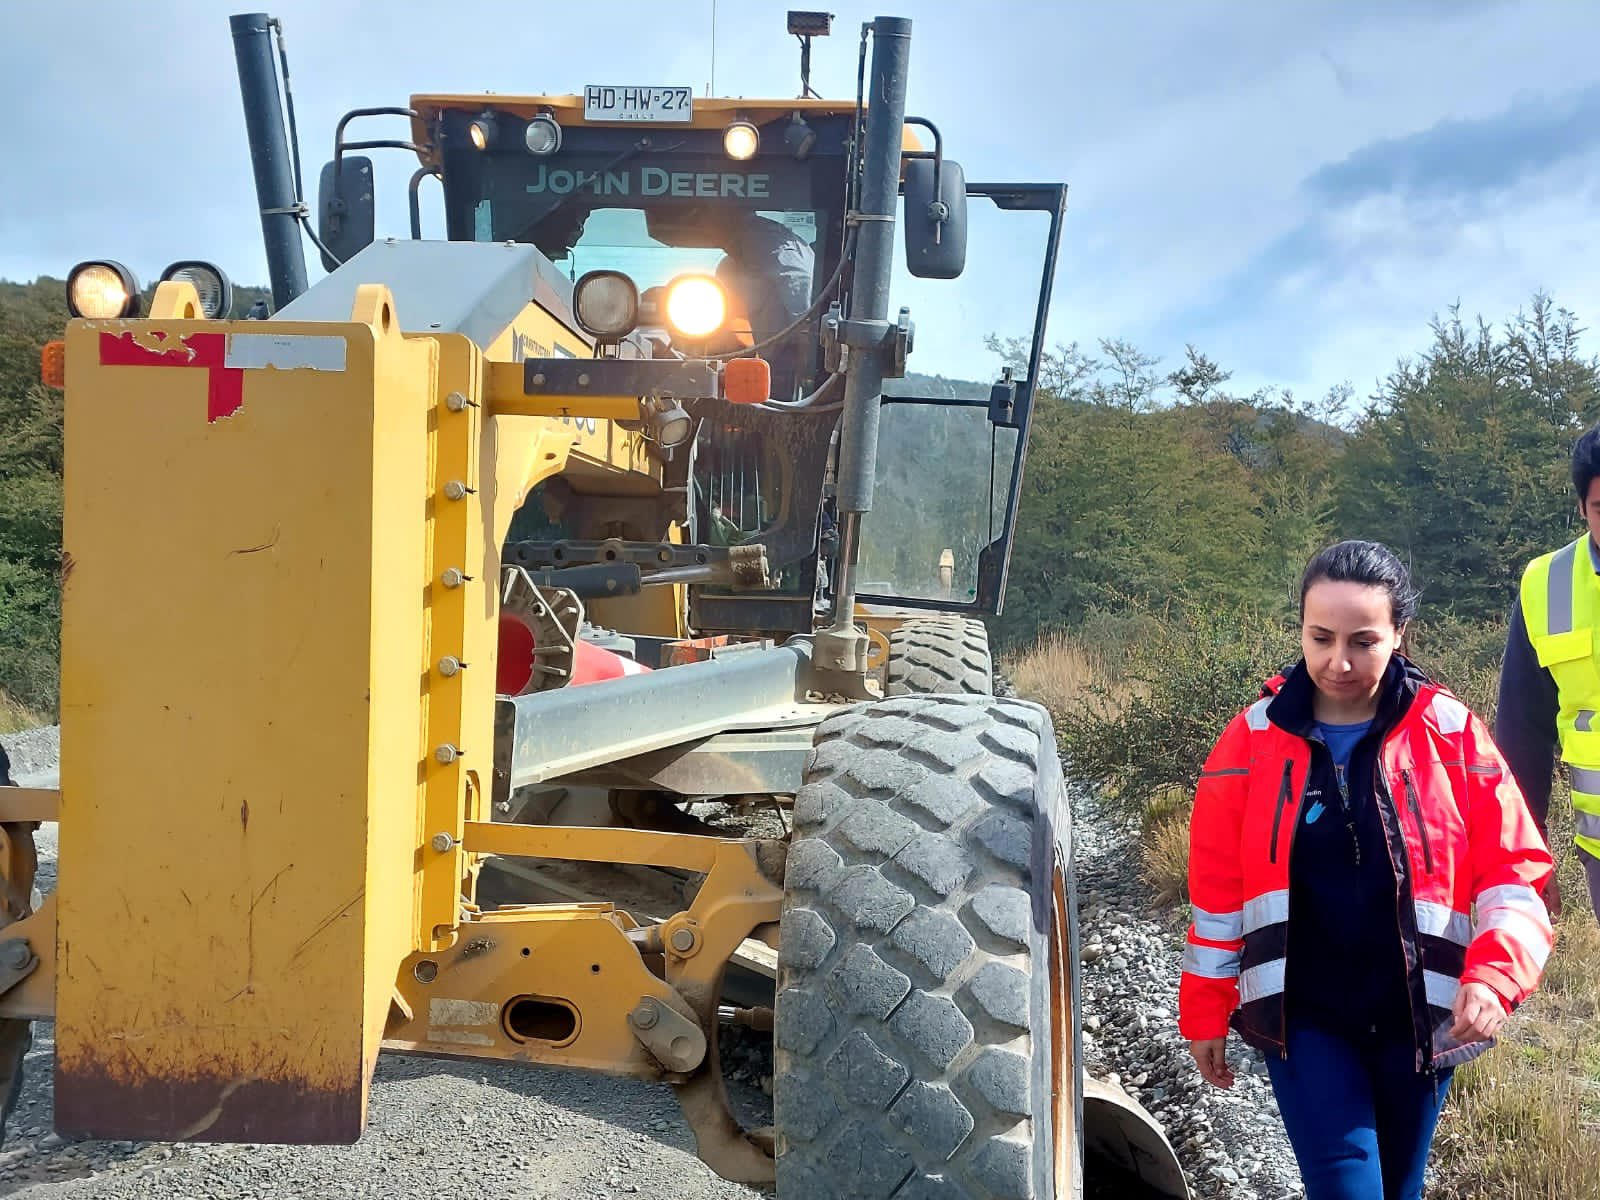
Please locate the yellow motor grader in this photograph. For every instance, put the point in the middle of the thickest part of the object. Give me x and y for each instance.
(606, 539)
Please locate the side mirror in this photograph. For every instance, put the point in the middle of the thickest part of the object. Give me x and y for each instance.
(935, 218)
(346, 209)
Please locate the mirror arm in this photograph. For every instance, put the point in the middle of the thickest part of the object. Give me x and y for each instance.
(938, 211)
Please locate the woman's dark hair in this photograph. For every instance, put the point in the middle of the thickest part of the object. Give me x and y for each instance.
(1369, 563)
(1585, 462)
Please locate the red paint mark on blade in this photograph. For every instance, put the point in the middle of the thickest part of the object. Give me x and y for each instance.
(224, 385)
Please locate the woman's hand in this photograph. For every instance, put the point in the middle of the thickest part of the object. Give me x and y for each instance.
(1211, 1056)
(1479, 1013)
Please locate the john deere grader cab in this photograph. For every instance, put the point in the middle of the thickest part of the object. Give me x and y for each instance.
(559, 644)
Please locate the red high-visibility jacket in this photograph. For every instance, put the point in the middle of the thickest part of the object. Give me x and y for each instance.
(1470, 883)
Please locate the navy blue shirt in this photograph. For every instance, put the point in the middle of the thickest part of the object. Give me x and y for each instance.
(1346, 963)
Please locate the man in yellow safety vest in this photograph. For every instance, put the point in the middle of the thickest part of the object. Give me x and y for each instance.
(1550, 683)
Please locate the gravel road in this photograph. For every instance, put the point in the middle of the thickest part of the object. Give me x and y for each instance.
(440, 1129)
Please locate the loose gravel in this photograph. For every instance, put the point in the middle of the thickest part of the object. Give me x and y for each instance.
(1231, 1143)
(34, 754)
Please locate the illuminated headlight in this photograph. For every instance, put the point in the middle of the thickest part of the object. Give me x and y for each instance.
(606, 304)
(106, 290)
(212, 286)
(696, 305)
(543, 135)
(480, 131)
(741, 140)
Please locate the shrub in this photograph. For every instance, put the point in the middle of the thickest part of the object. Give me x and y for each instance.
(1181, 684)
(1465, 656)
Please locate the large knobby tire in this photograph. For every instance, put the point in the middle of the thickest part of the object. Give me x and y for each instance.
(927, 1033)
(940, 655)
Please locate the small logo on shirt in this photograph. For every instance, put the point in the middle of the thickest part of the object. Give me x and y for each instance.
(1315, 811)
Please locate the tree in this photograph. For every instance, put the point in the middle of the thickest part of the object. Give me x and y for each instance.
(1461, 464)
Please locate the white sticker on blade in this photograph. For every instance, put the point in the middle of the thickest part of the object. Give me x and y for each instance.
(462, 1012)
(285, 351)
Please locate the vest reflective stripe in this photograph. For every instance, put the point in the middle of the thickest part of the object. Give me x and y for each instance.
(1560, 598)
(1522, 929)
(1256, 715)
(1269, 908)
(1450, 713)
(1217, 927)
(1260, 982)
(1208, 962)
(1517, 911)
(1442, 921)
(1558, 590)
(1511, 895)
(1441, 989)
(1585, 803)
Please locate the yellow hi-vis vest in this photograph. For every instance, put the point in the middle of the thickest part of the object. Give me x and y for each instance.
(1561, 607)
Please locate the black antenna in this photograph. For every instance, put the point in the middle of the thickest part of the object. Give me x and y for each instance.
(806, 25)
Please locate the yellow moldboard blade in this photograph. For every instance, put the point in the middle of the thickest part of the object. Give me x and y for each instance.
(244, 631)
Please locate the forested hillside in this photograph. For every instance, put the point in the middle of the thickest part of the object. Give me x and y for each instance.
(1148, 487)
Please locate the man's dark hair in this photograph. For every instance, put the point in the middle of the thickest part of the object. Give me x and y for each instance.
(1585, 462)
(1369, 563)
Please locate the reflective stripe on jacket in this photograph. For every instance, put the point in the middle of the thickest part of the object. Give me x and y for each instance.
(1561, 609)
(1470, 902)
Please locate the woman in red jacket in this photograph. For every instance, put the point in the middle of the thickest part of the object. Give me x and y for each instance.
(1366, 883)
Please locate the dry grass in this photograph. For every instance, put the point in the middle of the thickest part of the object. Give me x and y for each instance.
(1523, 1122)
(1057, 670)
(14, 716)
(1060, 670)
(1164, 845)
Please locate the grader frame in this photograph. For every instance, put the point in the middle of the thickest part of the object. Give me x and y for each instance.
(284, 757)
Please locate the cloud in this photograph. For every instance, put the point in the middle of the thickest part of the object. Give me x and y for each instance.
(1352, 288)
(1456, 156)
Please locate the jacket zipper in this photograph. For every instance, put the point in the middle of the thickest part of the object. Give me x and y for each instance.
(1416, 812)
(1381, 782)
(1283, 800)
(1349, 816)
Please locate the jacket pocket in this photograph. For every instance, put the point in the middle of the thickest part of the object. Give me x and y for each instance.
(1283, 800)
(1415, 803)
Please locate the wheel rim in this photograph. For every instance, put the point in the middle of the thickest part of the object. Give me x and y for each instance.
(1063, 1048)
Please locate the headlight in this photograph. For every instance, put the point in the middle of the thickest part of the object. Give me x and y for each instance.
(216, 293)
(606, 304)
(480, 131)
(741, 140)
(106, 290)
(696, 305)
(669, 424)
(543, 135)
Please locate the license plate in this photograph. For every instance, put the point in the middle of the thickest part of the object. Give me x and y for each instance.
(667, 105)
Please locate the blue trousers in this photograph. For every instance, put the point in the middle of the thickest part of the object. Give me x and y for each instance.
(1358, 1115)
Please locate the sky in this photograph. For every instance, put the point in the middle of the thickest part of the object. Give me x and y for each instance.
(1297, 189)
